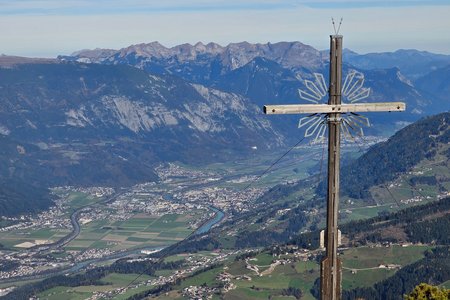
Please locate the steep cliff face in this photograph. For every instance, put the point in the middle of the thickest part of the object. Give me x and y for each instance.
(76, 113)
(108, 116)
(273, 73)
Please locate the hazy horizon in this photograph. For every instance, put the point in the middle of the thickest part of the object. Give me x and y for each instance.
(37, 28)
(205, 43)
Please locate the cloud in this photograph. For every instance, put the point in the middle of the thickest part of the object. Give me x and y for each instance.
(102, 7)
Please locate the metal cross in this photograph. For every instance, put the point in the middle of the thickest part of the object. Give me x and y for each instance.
(330, 277)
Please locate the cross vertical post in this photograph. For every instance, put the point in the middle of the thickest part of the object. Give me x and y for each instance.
(330, 267)
(338, 115)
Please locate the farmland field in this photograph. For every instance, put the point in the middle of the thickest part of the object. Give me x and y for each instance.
(14, 239)
(139, 231)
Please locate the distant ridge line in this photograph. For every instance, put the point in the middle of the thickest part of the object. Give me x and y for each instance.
(10, 61)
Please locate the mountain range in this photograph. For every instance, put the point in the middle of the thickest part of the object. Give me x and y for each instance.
(273, 72)
(145, 104)
(63, 117)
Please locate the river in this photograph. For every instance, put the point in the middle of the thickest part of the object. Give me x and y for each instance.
(210, 223)
(204, 228)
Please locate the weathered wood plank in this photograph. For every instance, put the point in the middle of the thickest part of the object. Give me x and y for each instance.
(333, 108)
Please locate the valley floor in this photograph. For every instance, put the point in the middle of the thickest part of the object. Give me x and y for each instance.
(149, 217)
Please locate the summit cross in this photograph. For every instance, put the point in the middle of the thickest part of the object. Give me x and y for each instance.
(330, 272)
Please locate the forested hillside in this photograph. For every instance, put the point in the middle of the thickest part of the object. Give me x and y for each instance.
(18, 197)
(385, 161)
(433, 269)
(427, 223)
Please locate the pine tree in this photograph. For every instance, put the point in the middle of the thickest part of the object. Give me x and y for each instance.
(428, 292)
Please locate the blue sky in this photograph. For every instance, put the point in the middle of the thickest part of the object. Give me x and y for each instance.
(46, 28)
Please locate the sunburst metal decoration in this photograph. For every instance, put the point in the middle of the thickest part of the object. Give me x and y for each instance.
(352, 91)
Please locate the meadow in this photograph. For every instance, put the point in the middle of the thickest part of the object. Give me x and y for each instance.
(302, 274)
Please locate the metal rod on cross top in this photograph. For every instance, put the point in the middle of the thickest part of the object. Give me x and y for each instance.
(331, 274)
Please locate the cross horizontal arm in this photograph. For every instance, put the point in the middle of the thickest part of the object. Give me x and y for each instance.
(333, 108)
